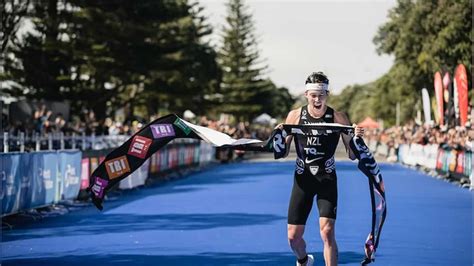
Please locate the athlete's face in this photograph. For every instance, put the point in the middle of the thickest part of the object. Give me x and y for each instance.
(317, 98)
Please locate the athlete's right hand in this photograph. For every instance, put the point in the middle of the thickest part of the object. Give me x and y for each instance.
(279, 126)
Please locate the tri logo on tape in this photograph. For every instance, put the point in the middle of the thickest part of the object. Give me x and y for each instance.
(139, 146)
(117, 167)
(99, 186)
(162, 130)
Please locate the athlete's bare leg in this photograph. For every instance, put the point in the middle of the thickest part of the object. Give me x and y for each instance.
(328, 235)
(296, 241)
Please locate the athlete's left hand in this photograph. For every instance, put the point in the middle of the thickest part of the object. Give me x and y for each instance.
(359, 131)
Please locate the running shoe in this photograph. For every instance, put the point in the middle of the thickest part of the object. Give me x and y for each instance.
(309, 262)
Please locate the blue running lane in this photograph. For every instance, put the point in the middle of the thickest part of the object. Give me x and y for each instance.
(236, 215)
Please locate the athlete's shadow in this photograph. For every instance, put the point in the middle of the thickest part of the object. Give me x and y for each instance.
(69, 225)
(269, 258)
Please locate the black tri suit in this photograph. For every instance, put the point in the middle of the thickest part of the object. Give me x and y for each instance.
(315, 173)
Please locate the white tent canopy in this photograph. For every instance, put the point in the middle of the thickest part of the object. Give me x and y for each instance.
(264, 119)
(188, 114)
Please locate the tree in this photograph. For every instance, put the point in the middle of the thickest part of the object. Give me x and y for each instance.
(424, 37)
(109, 54)
(242, 84)
(354, 101)
(11, 12)
(276, 101)
(40, 64)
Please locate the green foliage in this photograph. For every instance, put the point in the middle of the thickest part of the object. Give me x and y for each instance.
(12, 13)
(246, 93)
(117, 53)
(353, 101)
(424, 37)
(277, 101)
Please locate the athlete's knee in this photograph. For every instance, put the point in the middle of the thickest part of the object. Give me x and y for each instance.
(295, 235)
(294, 240)
(327, 233)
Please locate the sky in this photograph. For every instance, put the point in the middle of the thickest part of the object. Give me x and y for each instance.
(296, 38)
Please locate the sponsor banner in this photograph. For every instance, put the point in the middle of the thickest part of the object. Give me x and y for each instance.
(181, 155)
(207, 153)
(372, 145)
(448, 102)
(402, 153)
(196, 153)
(468, 164)
(85, 173)
(164, 158)
(459, 169)
(190, 158)
(460, 89)
(409, 158)
(155, 163)
(172, 157)
(426, 105)
(26, 189)
(94, 163)
(382, 149)
(137, 178)
(43, 175)
(429, 156)
(440, 159)
(455, 163)
(70, 174)
(430, 153)
(452, 160)
(438, 87)
(10, 187)
(417, 152)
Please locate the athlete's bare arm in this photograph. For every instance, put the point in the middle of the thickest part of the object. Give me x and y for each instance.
(341, 118)
(292, 119)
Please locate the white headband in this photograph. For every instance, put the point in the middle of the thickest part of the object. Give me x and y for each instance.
(317, 86)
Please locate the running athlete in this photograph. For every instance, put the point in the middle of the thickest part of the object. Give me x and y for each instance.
(315, 173)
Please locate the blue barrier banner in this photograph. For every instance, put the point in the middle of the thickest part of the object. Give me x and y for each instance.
(137, 178)
(163, 158)
(197, 152)
(182, 155)
(26, 182)
(468, 164)
(70, 173)
(43, 173)
(10, 178)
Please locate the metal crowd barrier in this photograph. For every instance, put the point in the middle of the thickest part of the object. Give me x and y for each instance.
(43, 178)
(59, 141)
(455, 164)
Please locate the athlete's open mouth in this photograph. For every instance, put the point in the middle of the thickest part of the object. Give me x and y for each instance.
(318, 106)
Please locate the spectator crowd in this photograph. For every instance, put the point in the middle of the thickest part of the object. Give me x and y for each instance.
(44, 122)
(86, 123)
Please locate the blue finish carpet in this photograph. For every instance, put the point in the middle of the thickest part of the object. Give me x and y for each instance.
(235, 214)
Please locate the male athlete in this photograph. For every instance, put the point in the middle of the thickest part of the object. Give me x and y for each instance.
(315, 173)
